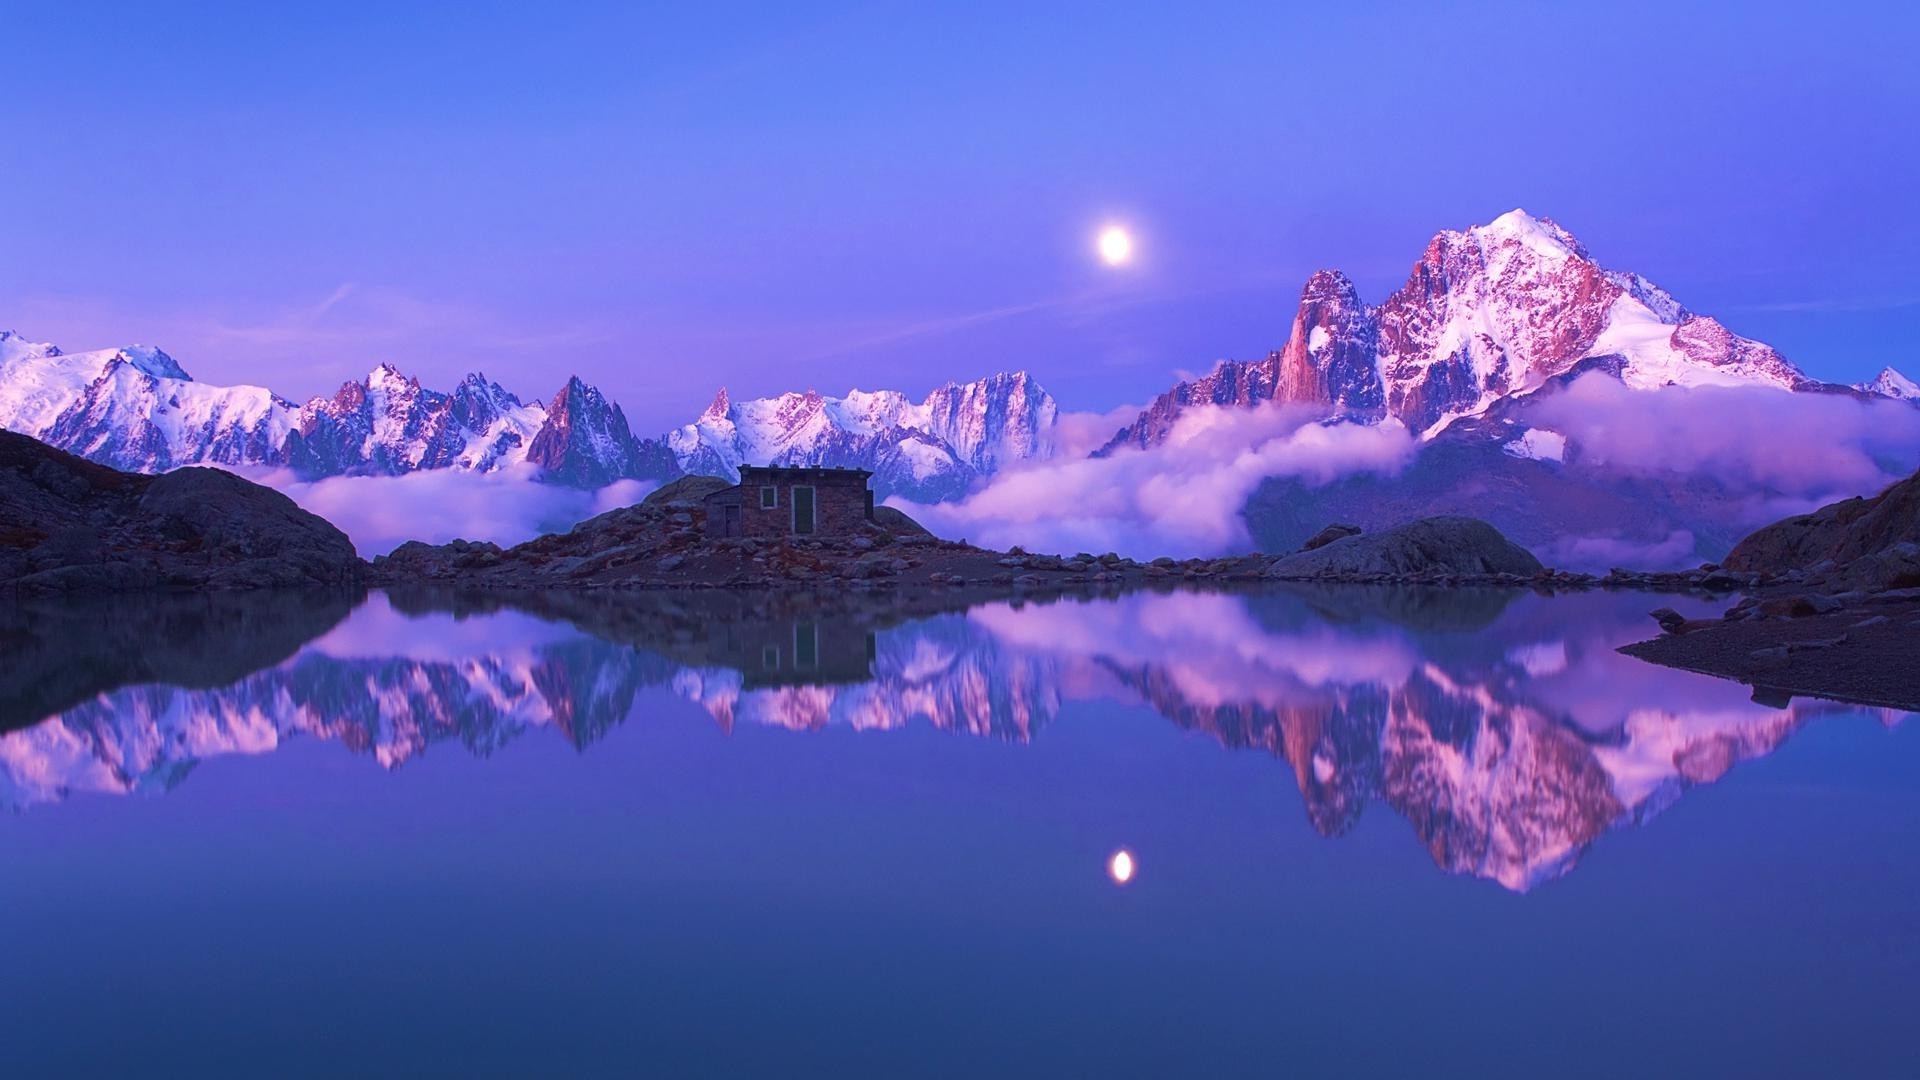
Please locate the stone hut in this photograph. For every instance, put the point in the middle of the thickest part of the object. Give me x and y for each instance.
(791, 501)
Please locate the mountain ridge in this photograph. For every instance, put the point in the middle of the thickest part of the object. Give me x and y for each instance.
(1486, 313)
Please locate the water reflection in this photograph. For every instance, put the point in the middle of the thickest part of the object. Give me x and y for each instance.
(1503, 727)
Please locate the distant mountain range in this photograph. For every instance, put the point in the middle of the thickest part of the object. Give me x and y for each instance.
(1489, 321)
(137, 409)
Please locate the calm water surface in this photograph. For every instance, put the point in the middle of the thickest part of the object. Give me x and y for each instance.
(1374, 832)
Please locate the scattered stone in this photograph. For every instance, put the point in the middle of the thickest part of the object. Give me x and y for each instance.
(1328, 535)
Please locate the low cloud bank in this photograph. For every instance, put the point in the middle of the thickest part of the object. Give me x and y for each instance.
(1077, 434)
(1676, 551)
(379, 513)
(1793, 450)
(1777, 453)
(1181, 498)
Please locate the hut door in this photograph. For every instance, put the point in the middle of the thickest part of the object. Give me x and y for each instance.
(730, 521)
(802, 510)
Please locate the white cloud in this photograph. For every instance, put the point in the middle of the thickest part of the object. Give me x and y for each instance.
(379, 513)
(1182, 497)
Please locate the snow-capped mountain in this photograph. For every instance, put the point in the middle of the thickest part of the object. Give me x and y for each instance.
(1891, 384)
(927, 451)
(1486, 314)
(137, 409)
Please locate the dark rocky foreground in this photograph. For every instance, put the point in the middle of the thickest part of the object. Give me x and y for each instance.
(69, 525)
(1835, 611)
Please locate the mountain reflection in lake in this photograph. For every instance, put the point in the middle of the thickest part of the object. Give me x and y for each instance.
(1503, 727)
(728, 834)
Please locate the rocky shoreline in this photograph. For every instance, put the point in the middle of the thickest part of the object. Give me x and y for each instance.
(1833, 607)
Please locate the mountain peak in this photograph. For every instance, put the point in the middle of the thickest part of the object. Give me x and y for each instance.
(151, 361)
(717, 409)
(1890, 383)
(387, 375)
(1541, 235)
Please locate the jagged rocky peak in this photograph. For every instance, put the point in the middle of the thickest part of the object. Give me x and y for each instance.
(926, 451)
(584, 441)
(1486, 313)
(1891, 384)
(390, 378)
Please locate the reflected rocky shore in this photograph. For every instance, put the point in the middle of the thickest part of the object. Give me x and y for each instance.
(1501, 725)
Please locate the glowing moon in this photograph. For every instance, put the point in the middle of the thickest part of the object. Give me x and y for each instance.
(1120, 866)
(1116, 246)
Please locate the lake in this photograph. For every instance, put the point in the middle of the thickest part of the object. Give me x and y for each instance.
(1365, 832)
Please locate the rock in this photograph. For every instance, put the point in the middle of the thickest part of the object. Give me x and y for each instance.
(69, 525)
(1328, 535)
(1670, 621)
(898, 523)
(687, 491)
(860, 543)
(1718, 580)
(1834, 540)
(1798, 607)
(1427, 547)
(671, 562)
(1772, 656)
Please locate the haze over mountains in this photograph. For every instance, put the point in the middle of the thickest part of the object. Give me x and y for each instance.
(1502, 365)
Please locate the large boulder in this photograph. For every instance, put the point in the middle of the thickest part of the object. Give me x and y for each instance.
(686, 491)
(898, 522)
(1329, 534)
(1426, 548)
(69, 525)
(1878, 534)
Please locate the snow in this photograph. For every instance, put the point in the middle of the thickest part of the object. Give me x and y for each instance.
(926, 459)
(1638, 333)
(1317, 340)
(1890, 383)
(958, 427)
(1538, 444)
(1539, 236)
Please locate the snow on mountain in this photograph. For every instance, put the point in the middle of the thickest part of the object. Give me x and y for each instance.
(1891, 384)
(928, 450)
(136, 409)
(1488, 313)
(585, 442)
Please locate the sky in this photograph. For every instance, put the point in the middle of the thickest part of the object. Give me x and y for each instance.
(771, 197)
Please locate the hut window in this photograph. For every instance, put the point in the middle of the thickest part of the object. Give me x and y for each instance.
(769, 497)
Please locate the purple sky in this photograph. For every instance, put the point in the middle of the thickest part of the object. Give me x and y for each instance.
(781, 196)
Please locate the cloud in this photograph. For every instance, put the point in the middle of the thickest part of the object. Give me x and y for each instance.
(1077, 434)
(1792, 450)
(1182, 497)
(1675, 551)
(379, 513)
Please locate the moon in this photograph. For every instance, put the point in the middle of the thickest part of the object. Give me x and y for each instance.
(1116, 245)
(1120, 866)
